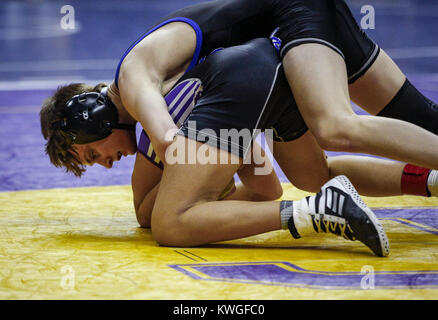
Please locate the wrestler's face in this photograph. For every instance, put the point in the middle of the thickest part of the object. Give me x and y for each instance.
(106, 151)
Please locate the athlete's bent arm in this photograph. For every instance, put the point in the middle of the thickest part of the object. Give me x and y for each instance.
(146, 75)
(146, 104)
(145, 183)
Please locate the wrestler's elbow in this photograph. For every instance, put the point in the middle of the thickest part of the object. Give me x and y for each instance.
(143, 216)
(144, 222)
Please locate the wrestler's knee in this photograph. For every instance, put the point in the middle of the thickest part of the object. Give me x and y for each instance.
(337, 133)
(168, 235)
(172, 226)
(169, 229)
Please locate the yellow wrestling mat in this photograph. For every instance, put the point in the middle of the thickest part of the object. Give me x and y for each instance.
(85, 244)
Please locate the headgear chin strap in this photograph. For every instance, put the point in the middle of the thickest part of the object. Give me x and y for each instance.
(89, 117)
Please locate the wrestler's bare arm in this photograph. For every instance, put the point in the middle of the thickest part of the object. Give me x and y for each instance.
(145, 183)
(148, 72)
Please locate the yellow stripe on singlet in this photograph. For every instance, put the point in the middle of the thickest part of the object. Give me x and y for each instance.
(157, 160)
(150, 150)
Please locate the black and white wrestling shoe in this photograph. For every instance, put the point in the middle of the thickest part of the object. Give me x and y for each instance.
(338, 209)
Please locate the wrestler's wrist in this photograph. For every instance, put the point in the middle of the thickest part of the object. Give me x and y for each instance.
(165, 142)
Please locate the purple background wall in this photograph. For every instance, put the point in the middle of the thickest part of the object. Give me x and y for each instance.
(37, 55)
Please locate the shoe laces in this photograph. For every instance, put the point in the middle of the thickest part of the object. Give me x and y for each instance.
(322, 224)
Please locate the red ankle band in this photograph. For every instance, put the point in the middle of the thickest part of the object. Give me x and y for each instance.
(414, 181)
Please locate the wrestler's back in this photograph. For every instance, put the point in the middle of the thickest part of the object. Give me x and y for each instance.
(226, 23)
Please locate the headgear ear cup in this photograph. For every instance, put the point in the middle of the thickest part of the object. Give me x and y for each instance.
(89, 117)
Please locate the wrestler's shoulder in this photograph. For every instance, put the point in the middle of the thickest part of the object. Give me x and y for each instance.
(149, 50)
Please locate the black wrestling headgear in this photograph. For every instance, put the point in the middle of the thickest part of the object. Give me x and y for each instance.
(89, 117)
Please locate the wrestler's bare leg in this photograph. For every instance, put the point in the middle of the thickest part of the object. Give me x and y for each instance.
(318, 78)
(376, 88)
(186, 212)
(305, 165)
(372, 177)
